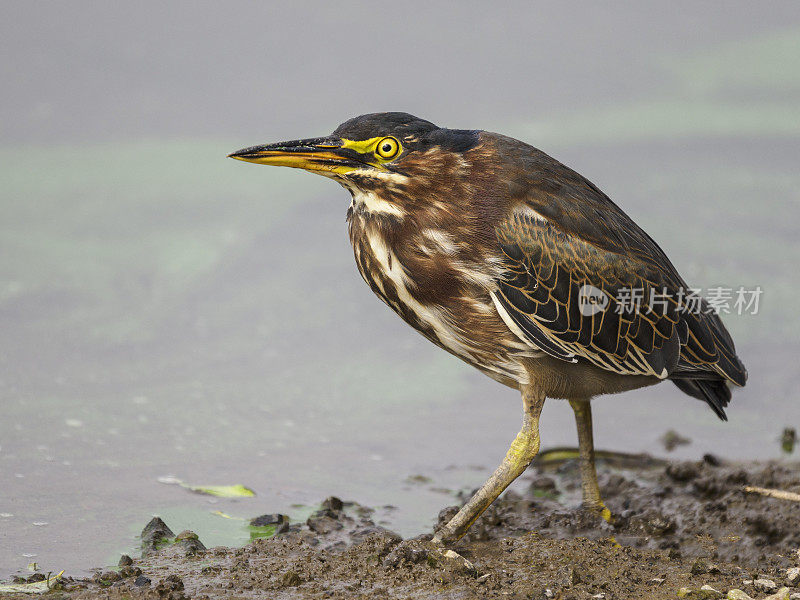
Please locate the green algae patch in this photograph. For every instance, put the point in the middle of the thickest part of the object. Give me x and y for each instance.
(221, 491)
(265, 531)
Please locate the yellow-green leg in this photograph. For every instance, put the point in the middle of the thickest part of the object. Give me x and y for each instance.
(591, 490)
(523, 450)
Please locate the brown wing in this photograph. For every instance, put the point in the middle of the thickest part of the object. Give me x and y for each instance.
(564, 234)
(550, 281)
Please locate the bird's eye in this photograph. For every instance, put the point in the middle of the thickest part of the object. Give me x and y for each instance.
(387, 148)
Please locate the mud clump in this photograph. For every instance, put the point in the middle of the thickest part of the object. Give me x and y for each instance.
(679, 530)
(171, 588)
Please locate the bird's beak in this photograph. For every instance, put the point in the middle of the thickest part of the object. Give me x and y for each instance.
(323, 155)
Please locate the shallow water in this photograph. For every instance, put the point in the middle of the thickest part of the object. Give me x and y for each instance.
(165, 311)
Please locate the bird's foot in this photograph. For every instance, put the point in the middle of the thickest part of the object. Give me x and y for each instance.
(599, 510)
(443, 554)
(605, 514)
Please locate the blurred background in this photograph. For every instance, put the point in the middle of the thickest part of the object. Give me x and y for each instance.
(167, 311)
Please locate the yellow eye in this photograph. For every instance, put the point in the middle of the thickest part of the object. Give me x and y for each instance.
(387, 148)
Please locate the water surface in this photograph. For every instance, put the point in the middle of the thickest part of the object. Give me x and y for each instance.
(165, 311)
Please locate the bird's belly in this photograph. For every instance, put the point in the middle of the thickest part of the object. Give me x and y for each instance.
(467, 326)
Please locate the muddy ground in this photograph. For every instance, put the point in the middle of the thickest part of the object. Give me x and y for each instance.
(678, 526)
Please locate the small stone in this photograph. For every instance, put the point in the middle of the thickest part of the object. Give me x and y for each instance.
(795, 596)
(323, 525)
(332, 503)
(125, 561)
(264, 520)
(156, 526)
(704, 593)
(130, 571)
(765, 585)
(190, 542)
(458, 561)
(781, 594)
(656, 581)
(710, 592)
(737, 594)
(659, 525)
(141, 581)
(279, 521)
(154, 535)
(793, 576)
(700, 567)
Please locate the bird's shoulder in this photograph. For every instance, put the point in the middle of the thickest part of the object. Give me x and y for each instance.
(571, 204)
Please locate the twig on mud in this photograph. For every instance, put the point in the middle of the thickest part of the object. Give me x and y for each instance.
(781, 494)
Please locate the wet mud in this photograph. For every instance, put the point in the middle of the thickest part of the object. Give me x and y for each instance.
(693, 530)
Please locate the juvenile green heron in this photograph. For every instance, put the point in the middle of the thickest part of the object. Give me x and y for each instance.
(516, 264)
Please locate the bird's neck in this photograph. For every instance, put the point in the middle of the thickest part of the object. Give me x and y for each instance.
(370, 205)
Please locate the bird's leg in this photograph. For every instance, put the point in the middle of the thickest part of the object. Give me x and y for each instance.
(519, 456)
(591, 490)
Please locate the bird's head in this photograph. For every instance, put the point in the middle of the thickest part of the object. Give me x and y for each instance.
(387, 154)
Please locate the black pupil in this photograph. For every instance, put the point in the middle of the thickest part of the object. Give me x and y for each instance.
(387, 147)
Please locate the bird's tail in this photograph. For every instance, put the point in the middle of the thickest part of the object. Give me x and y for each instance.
(715, 392)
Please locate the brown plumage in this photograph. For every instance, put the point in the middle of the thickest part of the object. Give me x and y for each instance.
(491, 248)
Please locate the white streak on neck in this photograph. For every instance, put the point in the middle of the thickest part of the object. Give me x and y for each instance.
(370, 202)
(429, 314)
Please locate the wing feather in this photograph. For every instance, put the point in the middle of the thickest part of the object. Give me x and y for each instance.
(548, 266)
